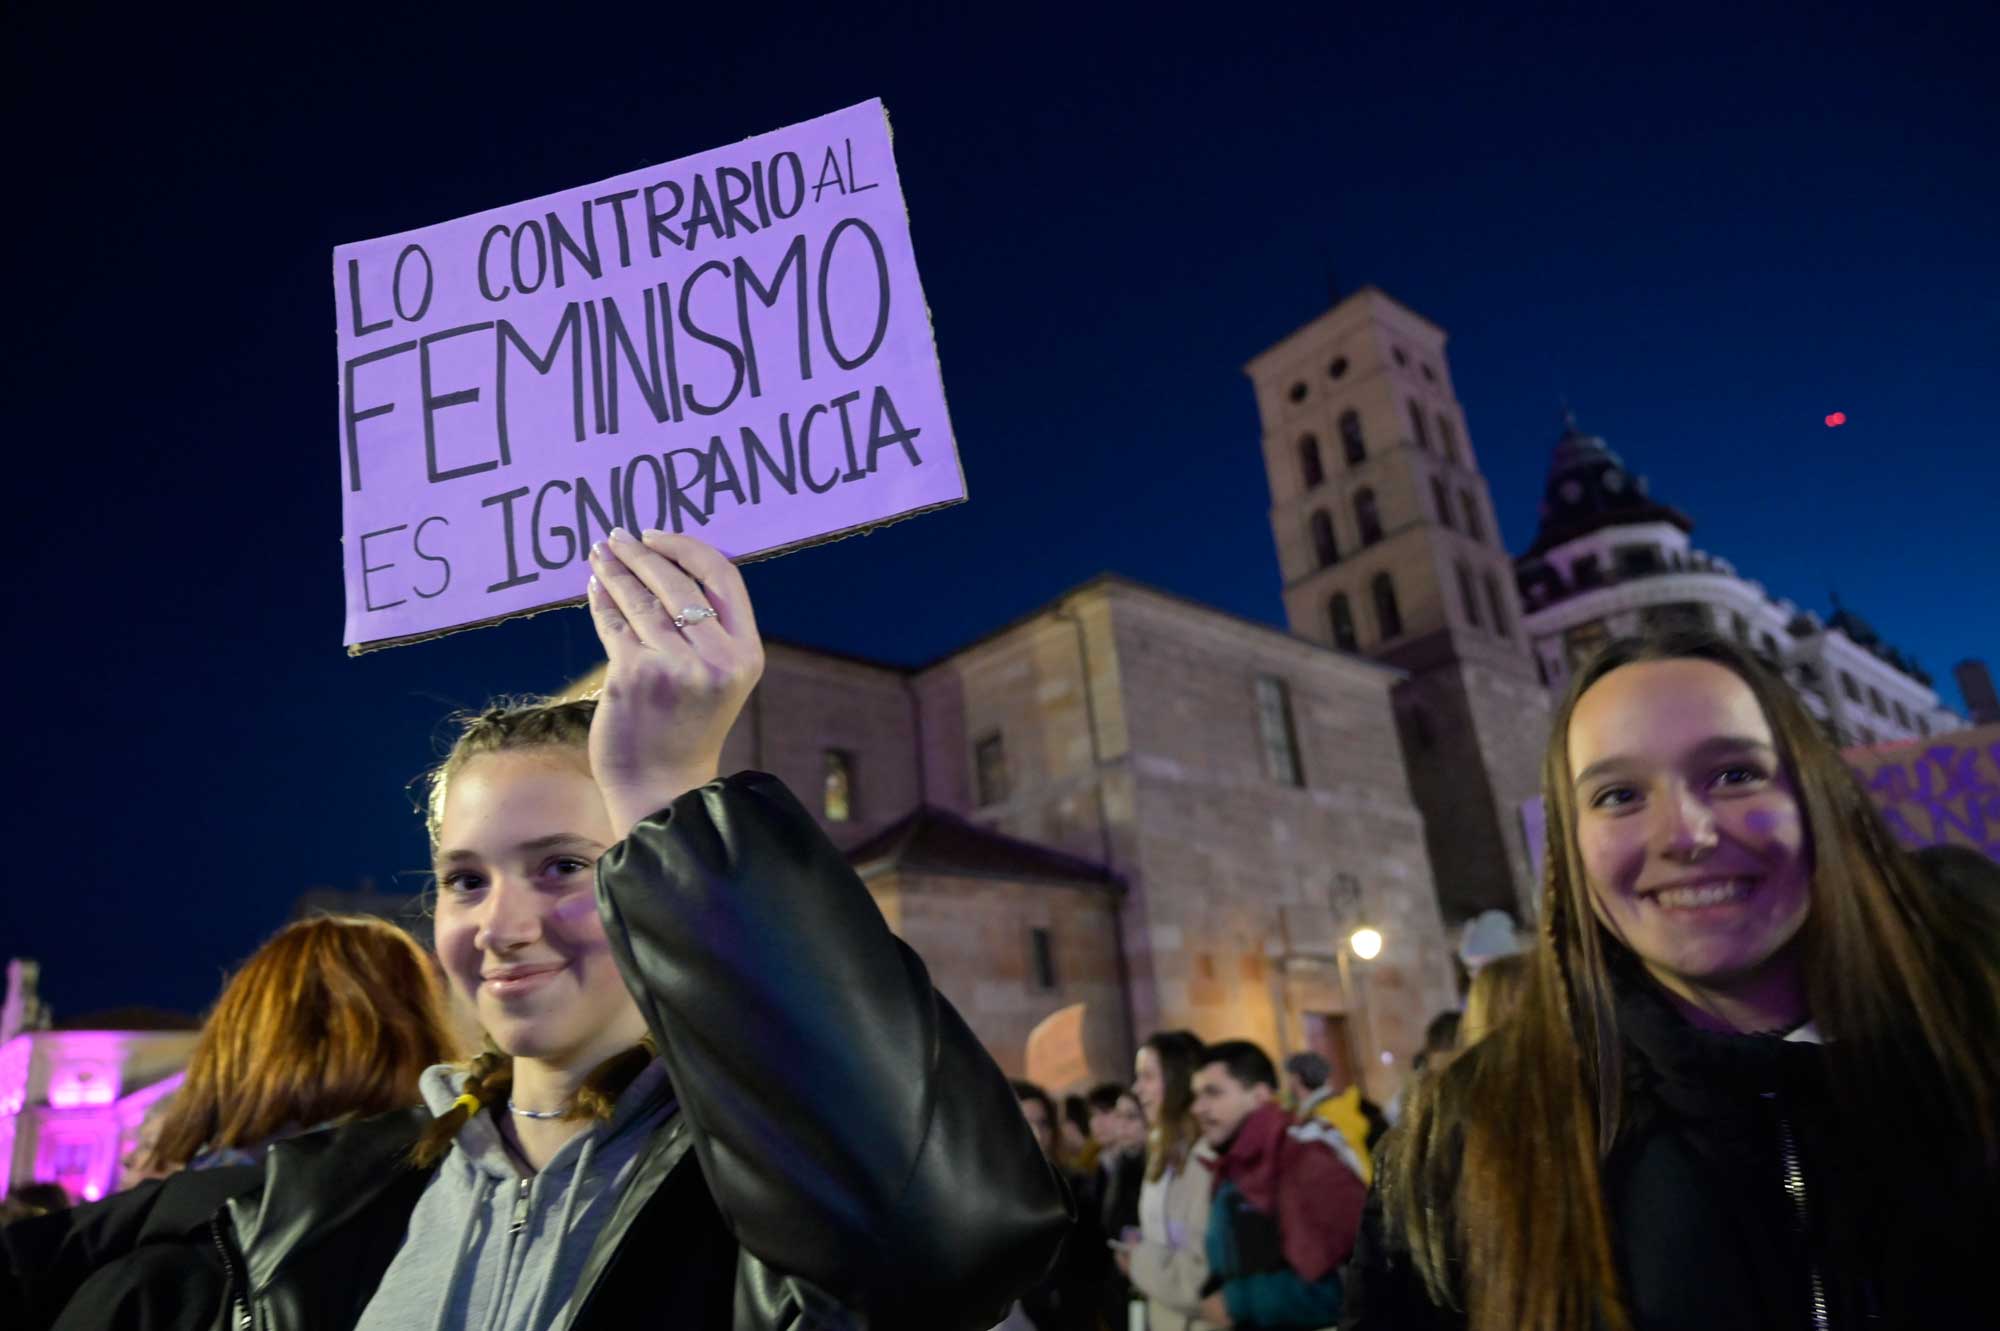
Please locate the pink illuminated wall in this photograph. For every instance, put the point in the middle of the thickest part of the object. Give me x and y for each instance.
(64, 1115)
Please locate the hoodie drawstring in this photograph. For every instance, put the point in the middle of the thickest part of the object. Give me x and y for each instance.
(576, 1178)
(482, 1196)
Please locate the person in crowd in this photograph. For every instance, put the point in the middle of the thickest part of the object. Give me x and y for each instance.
(1741, 979)
(1496, 992)
(1118, 1127)
(1069, 1296)
(678, 1120)
(27, 1200)
(1308, 1075)
(1440, 1047)
(1075, 1147)
(139, 1162)
(1287, 1203)
(1166, 1261)
(332, 1019)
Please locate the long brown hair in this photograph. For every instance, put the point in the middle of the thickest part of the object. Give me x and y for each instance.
(332, 1018)
(1169, 1140)
(1495, 994)
(1508, 1142)
(514, 726)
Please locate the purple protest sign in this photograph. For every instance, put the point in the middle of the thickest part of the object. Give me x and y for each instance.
(734, 345)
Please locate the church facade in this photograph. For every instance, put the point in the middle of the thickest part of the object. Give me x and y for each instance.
(1138, 812)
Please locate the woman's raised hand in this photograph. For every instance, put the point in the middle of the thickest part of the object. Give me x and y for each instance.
(675, 621)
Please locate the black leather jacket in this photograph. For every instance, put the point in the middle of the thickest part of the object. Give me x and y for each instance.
(846, 1153)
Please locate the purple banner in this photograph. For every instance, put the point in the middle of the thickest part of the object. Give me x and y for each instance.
(734, 345)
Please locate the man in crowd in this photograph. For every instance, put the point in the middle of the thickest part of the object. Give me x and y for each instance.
(1308, 1078)
(1287, 1202)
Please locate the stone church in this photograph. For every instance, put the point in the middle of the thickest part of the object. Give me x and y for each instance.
(1151, 813)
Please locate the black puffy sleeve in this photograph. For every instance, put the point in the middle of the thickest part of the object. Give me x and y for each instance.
(850, 1127)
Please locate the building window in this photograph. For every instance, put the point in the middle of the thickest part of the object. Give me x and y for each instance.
(1310, 469)
(1468, 597)
(1770, 652)
(1585, 573)
(837, 766)
(1423, 431)
(1043, 947)
(990, 769)
(1867, 735)
(1402, 357)
(1443, 501)
(1808, 675)
(1635, 561)
(1449, 436)
(1338, 368)
(1473, 526)
(1674, 616)
(1342, 615)
(1322, 536)
(1582, 643)
(1298, 393)
(1350, 437)
(1430, 375)
(1366, 517)
(1849, 687)
(1924, 726)
(1274, 726)
(1875, 701)
(1902, 716)
(1502, 624)
(1388, 616)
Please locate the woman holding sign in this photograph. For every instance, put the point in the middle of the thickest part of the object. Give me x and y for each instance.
(718, 1093)
(1753, 1080)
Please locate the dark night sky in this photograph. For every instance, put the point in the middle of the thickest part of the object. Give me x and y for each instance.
(1708, 231)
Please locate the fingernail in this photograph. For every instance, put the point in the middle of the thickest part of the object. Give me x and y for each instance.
(650, 533)
(620, 534)
(597, 551)
(591, 586)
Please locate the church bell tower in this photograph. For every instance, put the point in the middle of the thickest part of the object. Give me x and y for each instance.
(1388, 548)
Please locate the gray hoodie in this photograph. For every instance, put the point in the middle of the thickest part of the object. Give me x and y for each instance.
(493, 1247)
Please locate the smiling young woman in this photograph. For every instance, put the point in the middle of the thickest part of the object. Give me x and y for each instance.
(1754, 1077)
(718, 1093)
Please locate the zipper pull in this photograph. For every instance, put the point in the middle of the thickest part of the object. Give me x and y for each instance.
(520, 1208)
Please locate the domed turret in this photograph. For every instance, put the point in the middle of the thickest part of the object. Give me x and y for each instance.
(1589, 488)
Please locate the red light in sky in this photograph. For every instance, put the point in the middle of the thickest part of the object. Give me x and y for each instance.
(1838, 418)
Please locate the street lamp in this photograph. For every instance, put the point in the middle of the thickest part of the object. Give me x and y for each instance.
(1366, 944)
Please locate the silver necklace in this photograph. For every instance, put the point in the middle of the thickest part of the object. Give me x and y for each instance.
(513, 1108)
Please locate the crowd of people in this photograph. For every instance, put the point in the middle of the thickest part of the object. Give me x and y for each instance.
(1747, 1075)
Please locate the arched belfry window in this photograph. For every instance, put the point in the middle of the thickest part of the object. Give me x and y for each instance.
(1310, 469)
(1342, 615)
(1468, 597)
(1350, 437)
(1388, 615)
(1498, 603)
(1322, 536)
(1367, 517)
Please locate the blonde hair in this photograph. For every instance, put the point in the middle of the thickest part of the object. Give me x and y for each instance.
(1496, 991)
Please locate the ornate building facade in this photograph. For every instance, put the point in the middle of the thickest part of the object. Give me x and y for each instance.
(1608, 559)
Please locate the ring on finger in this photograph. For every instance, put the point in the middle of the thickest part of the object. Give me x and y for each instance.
(694, 614)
